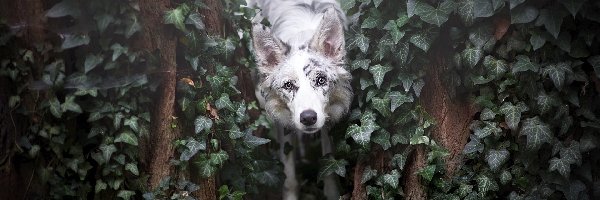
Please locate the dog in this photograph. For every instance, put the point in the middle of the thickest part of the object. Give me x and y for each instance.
(302, 81)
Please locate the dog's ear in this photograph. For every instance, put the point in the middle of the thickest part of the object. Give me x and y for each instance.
(268, 50)
(329, 37)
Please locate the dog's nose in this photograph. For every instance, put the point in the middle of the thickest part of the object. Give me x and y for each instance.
(308, 117)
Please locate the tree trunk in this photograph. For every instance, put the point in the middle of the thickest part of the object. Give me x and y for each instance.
(157, 36)
(359, 192)
(214, 24)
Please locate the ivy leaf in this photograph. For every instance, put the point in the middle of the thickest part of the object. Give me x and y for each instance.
(523, 14)
(206, 169)
(515, 3)
(496, 67)
(397, 99)
(544, 102)
(70, 105)
(551, 19)
(193, 146)
(125, 194)
(435, 16)
(392, 179)
(383, 139)
(347, 4)
(512, 115)
(486, 184)
(64, 8)
(505, 177)
(254, 141)
(333, 166)
(224, 102)
(219, 158)
(484, 8)
(561, 165)
(487, 114)
(573, 5)
(466, 10)
(91, 61)
(100, 185)
(556, 72)
(378, 72)
(471, 56)
(427, 172)
(495, 158)
(370, 22)
(571, 154)
(127, 137)
(118, 50)
(196, 20)
(202, 123)
(131, 167)
(362, 63)
(176, 17)
(417, 86)
(399, 160)
(524, 64)
(381, 105)
(71, 40)
(55, 108)
(359, 135)
(421, 40)
(377, 2)
(537, 132)
(473, 146)
(361, 41)
(107, 151)
(368, 174)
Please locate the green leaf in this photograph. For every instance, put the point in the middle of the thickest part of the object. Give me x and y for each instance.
(132, 122)
(55, 108)
(219, 158)
(176, 17)
(392, 179)
(64, 8)
(117, 120)
(556, 72)
(71, 40)
(378, 72)
(515, 3)
(524, 64)
(125, 194)
(131, 167)
(347, 4)
(360, 135)
(70, 105)
(466, 10)
(368, 174)
(505, 177)
(100, 185)
(224, 102)
(572, 154)
(254, 141)
(471, 56)
(487, 114)
(397, 99)
(512, 114)
(537, 132)
(483, 8)
(127, 137)
(206, 169)
(202, 123)
(370, 22)
(103, 20)
(537, 41)
(193, 146)
(399, 160)
(486, 184)
(421, 40)
(544, 102)
(196, 20)
(118, 50)
(495, 158)
(551, 19)
(561, 165)
(91, 61)
(383, 139)
(573, 6)
(523, 14)
(377, 2)
(333, 166)
(381, 105)
(473, 146)
(107, 151)
(432, 15)
(362, 63)
(427, 172)
(495, 67)
(361, 41)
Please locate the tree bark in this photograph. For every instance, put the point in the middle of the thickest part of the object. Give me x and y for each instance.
(413, 188)
(359, 192)
(157, 36)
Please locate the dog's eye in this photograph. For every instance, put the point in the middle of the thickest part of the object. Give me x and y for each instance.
(321, 80)
(288, 85)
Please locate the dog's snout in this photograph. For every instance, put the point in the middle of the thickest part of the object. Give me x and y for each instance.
(308, 117)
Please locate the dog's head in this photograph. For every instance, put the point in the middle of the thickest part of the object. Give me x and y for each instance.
(306, 86)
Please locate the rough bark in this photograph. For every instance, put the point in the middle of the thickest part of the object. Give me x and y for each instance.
(452, 115)
(157, 36)
(359, 192)
(413, 188)
(214, 25)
